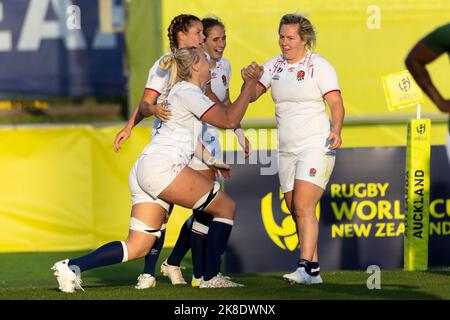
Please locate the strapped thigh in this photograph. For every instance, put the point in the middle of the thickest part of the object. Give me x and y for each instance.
(207, 198)
(138, 225)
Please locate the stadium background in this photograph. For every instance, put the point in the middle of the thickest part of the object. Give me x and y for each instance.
(65, 189)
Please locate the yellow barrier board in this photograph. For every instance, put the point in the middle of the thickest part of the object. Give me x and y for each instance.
(401, 90)
(64, 188)
(363, 40)
(417, 195)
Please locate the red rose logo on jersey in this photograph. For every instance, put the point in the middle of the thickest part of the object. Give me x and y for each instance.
(312, 172)
(300, 75)
(224, 80)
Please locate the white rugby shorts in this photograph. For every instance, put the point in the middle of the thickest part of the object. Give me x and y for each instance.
(138, 195)
(311, 164)
(157, 170)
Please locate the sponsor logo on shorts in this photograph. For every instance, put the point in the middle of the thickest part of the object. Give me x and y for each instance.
(312, 172)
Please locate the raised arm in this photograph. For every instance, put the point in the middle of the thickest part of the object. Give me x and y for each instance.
(259, 88)
(419, 56)
(230, 117)
(258, 92)
(242, 139)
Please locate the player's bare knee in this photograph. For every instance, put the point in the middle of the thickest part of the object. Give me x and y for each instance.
(228, 202)
(300, 211)
(226, 208)
(142, 251)
(137, 250)
(232, 208)
(304, 208)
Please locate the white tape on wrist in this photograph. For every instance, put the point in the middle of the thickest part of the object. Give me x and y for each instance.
(240, 134)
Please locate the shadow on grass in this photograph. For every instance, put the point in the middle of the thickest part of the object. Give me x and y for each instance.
(126, 274)
(445, 271)
(26, 275)
(390, 292)
(269, 286)
(357, 291)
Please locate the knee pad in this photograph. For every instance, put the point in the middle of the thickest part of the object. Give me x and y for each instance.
(204, 201)
(138, 225)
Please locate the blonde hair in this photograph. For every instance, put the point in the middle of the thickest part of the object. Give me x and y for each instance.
(306, 29)
(180, 62)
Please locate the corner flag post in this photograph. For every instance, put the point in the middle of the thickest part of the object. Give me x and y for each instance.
(401, 91)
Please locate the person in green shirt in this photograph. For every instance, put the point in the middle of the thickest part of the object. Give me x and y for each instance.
(425, 51)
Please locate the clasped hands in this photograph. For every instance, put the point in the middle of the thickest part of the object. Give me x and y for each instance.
(252, 73)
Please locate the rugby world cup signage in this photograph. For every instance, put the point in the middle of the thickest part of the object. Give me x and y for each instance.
(361, 215)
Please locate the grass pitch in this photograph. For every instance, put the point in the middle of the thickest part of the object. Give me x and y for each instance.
(28, 276)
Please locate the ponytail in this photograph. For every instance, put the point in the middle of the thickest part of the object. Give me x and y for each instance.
(168, 62)
(180, 64)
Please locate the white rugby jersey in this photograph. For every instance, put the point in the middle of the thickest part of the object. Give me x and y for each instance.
(220, 81)
(188, 104)
(220, 78)
(158, 81)
(298, 91)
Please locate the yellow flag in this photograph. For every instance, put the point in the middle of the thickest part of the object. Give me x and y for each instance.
(401, 90)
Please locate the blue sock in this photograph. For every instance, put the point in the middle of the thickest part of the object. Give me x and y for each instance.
(218, 235)
(110, 253)
(199, 236)
(182, 245)
(198, 247)
(152, 257)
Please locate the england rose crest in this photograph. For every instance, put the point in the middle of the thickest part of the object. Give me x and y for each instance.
(300, 75)
(224, 80)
